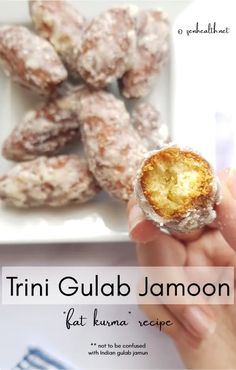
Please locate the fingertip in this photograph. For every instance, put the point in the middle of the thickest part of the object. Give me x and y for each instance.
(132, 201)
(223, 174)
(144, 232)
(228, 182)
(135, 216)
(140, 229)
(226, 210)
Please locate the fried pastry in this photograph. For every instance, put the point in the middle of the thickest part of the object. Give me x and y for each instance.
(61, 24)
(113, 148)
(30, 60)
(148, 123)
(152, 49)
(108, 45)
(46, 130)
(177, 189)
(53, 182)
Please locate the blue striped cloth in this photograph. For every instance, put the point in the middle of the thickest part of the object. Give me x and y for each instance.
(37, 359)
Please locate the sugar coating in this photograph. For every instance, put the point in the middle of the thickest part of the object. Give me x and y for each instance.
(46, 130)
(148, 122)
(61, 24)
(193, 219)
(30, 60)
(108, 46)
(151, 53)
(53, 182)
(113, 148)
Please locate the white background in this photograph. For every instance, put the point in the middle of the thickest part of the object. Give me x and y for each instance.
(207, 80)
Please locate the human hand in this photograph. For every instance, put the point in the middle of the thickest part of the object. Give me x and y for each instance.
(204, 335)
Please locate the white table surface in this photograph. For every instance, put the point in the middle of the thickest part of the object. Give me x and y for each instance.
(43, 326)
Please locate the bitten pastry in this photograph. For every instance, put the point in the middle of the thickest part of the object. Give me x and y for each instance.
(61, 24)
(30, 60)
(151, 54)
(53, 182)
(113, 148)
(108, 46)
(46, 130)
(177, 189)
(147, 121)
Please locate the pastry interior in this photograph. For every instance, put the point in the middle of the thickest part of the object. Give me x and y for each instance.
(175, 181)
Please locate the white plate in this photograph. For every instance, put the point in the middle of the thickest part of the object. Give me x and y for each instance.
(102, 219)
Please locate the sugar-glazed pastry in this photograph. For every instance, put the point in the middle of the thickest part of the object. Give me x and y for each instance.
(108, 46)
(113, 148)
(152, 50)
(30, 60)
(61, 24)
(177, 189)
(148, 122)
(54, 182)
(45, 130)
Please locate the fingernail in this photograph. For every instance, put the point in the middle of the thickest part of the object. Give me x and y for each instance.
(135, 217)
(231, 181)
(198, 323)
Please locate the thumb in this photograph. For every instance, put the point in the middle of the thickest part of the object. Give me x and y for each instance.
(226, 210)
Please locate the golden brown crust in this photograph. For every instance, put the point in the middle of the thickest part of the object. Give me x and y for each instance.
(163, 167)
